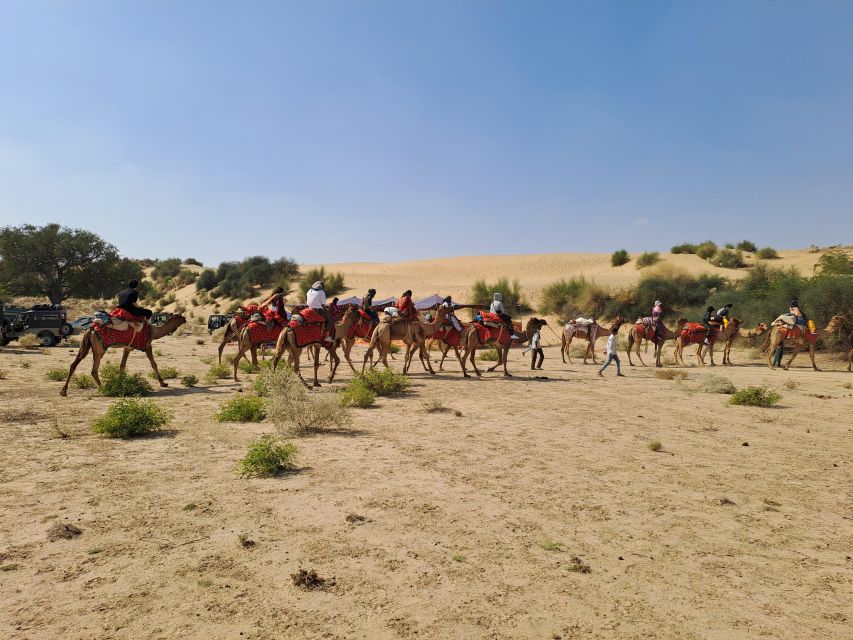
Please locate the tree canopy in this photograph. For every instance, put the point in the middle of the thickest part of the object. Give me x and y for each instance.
(58, 262)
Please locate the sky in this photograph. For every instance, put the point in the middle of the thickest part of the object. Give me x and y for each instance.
(372, 130)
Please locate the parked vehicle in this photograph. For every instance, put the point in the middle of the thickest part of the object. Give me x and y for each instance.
(217, 321)
(46, 321)
(84, 322)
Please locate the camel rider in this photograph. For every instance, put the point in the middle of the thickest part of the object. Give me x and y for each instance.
(657, 319)
(405, 307)
(497, 307)
(723, 315)
(451, 316)
(316, 300)
(801, 320)
(367, 305)
(127, 299)
(709, 321)
(334, 309)
(273, 308)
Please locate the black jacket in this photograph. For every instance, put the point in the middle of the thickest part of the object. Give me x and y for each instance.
(127, 299)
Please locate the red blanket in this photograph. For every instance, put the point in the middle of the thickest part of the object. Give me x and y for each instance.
(797, 332)
(449, 335)
(694, 333)
(109, 337)
(645, 331)
(501, 334)
(308, 334)
(259, 332)
(311, 316)
(361, 329)
(491, 317)
(126, 315)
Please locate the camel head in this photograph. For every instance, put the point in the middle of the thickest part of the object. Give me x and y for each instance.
(835, 322)
(760, 328)
(680, 323)
(619, 320)
(350, 316)
(171, 325)
(533, 324)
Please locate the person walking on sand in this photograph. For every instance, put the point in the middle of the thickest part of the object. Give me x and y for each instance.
(536, 349)
(610, 352)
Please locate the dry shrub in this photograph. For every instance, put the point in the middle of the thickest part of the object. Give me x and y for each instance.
(295, 410)
(357, 394)
(83, 381)
(791, 384)
(714, 383)
(670, 374)
(655, 445)
(489, 355)
(189, 380)
(756, 397)
(56, 375)
(62, 531)
(28, 341)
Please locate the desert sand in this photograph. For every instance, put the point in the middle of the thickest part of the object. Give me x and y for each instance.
(739, 527)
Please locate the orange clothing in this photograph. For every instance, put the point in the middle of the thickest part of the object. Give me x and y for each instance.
(406, 307)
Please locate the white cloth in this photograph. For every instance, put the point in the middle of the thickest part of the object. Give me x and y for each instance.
(536, 340)
(392, 311)
(452, 316)
(316, 298)
(612, 344)
(497, 307)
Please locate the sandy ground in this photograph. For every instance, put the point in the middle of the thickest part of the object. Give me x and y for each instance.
(740, 527)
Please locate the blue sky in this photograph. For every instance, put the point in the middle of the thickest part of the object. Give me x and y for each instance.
(373, 130)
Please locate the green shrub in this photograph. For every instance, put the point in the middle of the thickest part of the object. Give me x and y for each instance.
(835, 263)
(128, 418)
(756, 397)
(242, 409)
(767, 253)
(83, 381)
(384, 382)
(746, 246)
(620, 257)
(333, 282)
(357, 394)
(728, 259)
(488, 355)
(294, 409)
(57, 375)
(189, 380)
(706, 250)
(246, 366)
(482, 294)
(574, 297)
(648, 259)
(684, 248)
(167, 373)
(267, 456)
(120, 384)
(394, 347)
(217, 372)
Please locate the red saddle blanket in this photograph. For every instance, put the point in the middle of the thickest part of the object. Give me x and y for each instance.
(645, 331)
(261, 332)
(694, 333)
(361, 329)
(491, 317)
(109, 337)
(126, 315)
(311, 316)
(308, 334)
(797, 332)
(449, 335)
(501, 334)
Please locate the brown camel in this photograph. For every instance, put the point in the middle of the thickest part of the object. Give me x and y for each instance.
(232, 334)
(760, 329)
(471, 340)
(287, 340)
(98, 350)
(410, 332)
(348, 343)
(668, 334)
(726, 335)
(590, 333)
(429, 329)
(799, 343)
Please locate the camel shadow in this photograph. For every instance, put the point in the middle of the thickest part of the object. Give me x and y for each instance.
(182, 391)
(162, 433)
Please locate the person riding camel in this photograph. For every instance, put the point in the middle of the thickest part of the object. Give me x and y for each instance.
(405, 307)
(273, 308)
(447, 303)
(497, 307)
(334, 309)
(723, 314)
(709, 321)
(657, 320)
(316, 300)
(127, 308)
(367, 305)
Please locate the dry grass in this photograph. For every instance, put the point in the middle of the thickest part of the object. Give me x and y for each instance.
(295, 410)
(670, 374)
(28, 341)
(655, 445)
(714, 383)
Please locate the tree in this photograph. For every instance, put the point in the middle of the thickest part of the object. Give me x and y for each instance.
(835, 262)
(333, 282)
(620, 257)
(482, 292)
(58, 262)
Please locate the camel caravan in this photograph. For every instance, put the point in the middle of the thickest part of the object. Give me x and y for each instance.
(321, 325)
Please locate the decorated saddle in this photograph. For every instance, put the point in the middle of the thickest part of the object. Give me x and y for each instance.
(797, 331)
(363, 328)
(308, 326)
(263, 331)
(694, 333)
(125, 330)
(447, 333)
(488, 333)
(491, 319)
(645, 328)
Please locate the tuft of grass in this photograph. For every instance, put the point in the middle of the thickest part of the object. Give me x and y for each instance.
(242, 409)
(131, 417)
(457, 557)
(267, 456)
(670, 374)
(655, 445)
(191, 506)
(647, 259)
(167, 373)
(384, 382)
(245, 541)
(189, 380)
(56, 375)
(309, 580)
(714, 383)
(767, 253)
(83, 381)
(755, 397)
(28, 341)
(158, 352)
(94, 551)
(295, 410)
(217, 372)
(577, 565)
(550, 545)
(791, 384)
(763, 417)
(246, 366)
(619, 257)
(435, 406)
(357, 394)
(489, 355)
(120, 384)
(25, 365)
(847, 385)
(394, 348)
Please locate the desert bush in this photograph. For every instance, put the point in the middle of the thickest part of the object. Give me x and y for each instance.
(767, 253)
(131, 417)
(357, 394)
(394, 348)
(684, 248)
(206, 281)
(619, 257)
(647, 259)
(513, 298)
(746, 246)
(706, 250)
(435, 406)
(791, 384)
(728, 259)
(239, 279)
(293, 409)
(333, 282)
(167, 373)
(267, 456)
(28, 341)
(25, 365)
(670, 374)
(193, 261)
(488, 355)
(574, 297)
(242, 409)
(168, 268)
(384, 382)
(83, 381)
(756, 397)
(56, 375)
(713, 383)
(836, 262)
(217, 372)
(655, 445)
(120, 384)
(189, 380)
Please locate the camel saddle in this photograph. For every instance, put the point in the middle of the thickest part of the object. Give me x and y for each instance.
(582, 322)
(492, 320)
(311, 316)
(797, 332)
(121, 320)
(645, 328)
(694, 333)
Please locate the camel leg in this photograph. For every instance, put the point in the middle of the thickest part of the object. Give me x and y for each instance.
(82, 352)
(504, 355)
(472, 357)
(421, 346)
(445, 348)
(124, 354)
(794, 354)
(226, 338)
(569, 350)
(811, 355)
(563, 346)
(637, 353)
(97, 354)
(316, 367)
(150, 353)
(294, 356)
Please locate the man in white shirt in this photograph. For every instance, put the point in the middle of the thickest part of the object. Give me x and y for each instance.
(497, 307)
(316, 299)
(610, 351)
(448, 304)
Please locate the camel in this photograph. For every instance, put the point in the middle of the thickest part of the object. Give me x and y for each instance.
(348, 343)
(471, 340)
(232, 333)
(799, 343)
(385, 332)
(429, 329)
(727, 335)
(287, 340)
(668, 334)
(590, 333)
(98, 351)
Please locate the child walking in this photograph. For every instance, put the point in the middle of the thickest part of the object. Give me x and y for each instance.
(536, 349)
(610, 351)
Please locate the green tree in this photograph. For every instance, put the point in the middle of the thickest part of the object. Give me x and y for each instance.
(620, 257)
(834, 263)
(481, 294)
(58, 262)
(334, 282)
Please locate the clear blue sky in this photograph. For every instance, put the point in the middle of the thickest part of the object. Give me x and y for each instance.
(373, 130)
